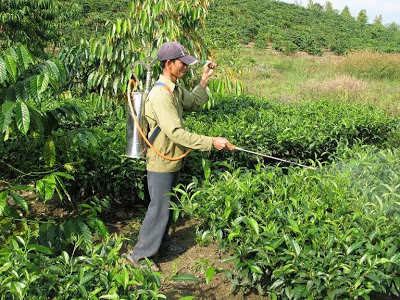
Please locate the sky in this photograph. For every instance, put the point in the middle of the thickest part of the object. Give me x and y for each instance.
(389, 9)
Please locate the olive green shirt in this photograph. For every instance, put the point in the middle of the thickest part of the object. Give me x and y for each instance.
(166, 111)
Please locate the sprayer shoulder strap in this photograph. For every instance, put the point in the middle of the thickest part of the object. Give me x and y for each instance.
(157, 129)
(159, 83)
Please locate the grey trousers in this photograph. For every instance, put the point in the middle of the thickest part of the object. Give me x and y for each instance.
(153, 234)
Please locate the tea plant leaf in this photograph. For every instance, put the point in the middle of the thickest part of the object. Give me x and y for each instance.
(255, 268)
(187, 298)
(277, 284)
(296, 247)
(374, 277)
(354, 247)
(254, 225)
(294, 226)
(94, 292)
(83, 291)
(110, 296)
(209, 274)
(395, 258)
(18, 288)
(185, 277)
(65, 257)
(101, 227)
(124, 277)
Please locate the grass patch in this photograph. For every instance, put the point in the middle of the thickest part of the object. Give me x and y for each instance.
(366, 78)
(372, 65)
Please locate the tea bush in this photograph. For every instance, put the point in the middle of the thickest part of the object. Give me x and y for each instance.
(331, 233)
(33, 271)
(306, 131)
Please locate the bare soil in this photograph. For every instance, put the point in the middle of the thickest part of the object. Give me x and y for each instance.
(194, 261)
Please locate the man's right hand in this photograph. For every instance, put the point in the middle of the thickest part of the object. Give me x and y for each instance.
(222, 143)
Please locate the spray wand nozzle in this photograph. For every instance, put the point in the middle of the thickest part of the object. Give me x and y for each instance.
(275, 158)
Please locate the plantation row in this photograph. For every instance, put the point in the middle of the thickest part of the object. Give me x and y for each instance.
(301, 234)
(291, 28)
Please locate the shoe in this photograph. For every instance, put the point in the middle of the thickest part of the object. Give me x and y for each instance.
(173, 249)
(143, 263)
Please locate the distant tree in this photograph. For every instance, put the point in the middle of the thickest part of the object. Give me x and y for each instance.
(318, 7)
(346, 13)
(362, 17)
(394, 27)
(328, 7)
(314, 6)
(378, 21)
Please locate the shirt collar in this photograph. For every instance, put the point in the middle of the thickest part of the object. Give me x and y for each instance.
(168, 82)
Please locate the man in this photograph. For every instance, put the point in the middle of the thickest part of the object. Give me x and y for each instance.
(163, 110)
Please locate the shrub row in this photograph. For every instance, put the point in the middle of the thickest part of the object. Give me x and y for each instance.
(306, 131)
(309, 234)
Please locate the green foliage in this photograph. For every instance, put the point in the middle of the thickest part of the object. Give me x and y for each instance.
(108, 60)
(23, 84)
(305, 131)
(298, 234)
(32, 23)
(32, 271)
(289, 28)
(88, 19)
(371, 65)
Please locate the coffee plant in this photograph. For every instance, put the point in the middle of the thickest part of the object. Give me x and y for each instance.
(286, 27)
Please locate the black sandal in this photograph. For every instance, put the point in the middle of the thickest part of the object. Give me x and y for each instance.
(173, 249)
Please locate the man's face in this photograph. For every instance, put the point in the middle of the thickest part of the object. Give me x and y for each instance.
(178, 69)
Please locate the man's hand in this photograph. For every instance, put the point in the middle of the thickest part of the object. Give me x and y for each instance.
(208, 69)
(222, 143)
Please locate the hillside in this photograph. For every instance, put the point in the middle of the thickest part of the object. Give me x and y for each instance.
(291, 28)
(286, 27)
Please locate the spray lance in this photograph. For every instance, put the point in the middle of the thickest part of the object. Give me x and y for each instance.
(274, 158)
(136, 138)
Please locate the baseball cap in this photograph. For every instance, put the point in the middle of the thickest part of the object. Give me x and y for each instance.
(173, 50)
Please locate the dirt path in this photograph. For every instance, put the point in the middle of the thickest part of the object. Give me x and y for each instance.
(195, 261)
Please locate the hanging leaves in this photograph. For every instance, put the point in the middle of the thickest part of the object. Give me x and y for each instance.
(22, 117)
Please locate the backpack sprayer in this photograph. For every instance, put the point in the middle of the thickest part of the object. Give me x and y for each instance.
(137, 125)
(135, 146)
(136, 129)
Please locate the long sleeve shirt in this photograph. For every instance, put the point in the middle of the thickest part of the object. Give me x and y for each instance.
(165, 110)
